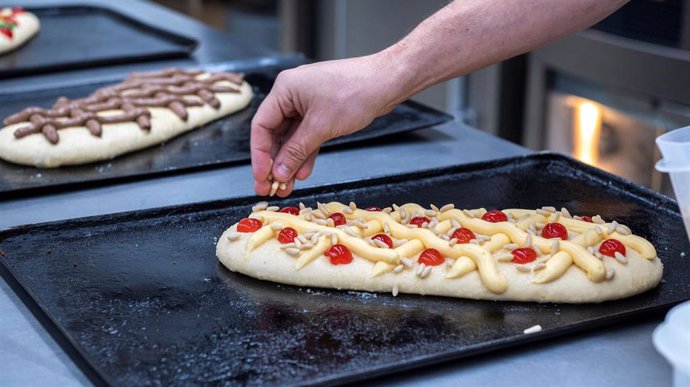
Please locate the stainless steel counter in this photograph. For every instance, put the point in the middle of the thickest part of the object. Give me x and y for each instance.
(617, 355)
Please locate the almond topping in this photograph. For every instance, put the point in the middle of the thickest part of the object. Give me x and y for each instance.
(447, 207)
(292, 251)
(260, 206)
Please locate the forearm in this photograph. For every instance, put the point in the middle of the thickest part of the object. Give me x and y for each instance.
(469, 34)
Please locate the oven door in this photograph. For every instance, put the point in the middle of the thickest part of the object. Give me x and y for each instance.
(604, 99)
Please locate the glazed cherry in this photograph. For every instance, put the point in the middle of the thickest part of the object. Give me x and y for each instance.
(249, 225)
(611, 246)
(587, 218)
(555, 230)
(287, 235)
(524, 255)
(385, 239)
(374, 209)
(339, 255)
(338, 218)
(495, 216)
(464, 235)
(290, 210)
(419, 220)
(7, 32)
(431, 257)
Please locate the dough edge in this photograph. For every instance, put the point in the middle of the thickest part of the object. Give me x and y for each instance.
(268, 262)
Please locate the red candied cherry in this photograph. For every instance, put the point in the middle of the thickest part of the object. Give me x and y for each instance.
(373, 209)
(339, 255)
(431, 257)
(385, 239)
(611, 246)
(419, 220)
(249, 225)
(524, 255)
(287, 235)
(587, 219)
(290, 210)
(7, 32)
(495, 216)
(464, 235)
(338, 218)
(16, 10)
(555, 230)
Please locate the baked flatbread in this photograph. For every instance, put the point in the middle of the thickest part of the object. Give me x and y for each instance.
(17, 26)
(144, 110)
(541, 255)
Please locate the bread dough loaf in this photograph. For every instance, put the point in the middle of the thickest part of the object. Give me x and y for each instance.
(484, 272)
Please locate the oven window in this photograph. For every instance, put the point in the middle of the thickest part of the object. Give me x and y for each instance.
(614, 132)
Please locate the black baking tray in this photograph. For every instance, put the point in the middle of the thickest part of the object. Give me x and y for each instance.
(140, 298)
(219, 143)
(77, 37)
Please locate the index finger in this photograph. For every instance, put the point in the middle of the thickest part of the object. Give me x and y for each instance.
(267, 121)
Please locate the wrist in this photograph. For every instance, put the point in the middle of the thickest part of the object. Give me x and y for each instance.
(393, 77)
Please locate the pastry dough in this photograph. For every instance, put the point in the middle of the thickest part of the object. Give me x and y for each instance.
(145, 110)
(485, 267)
(16, 28)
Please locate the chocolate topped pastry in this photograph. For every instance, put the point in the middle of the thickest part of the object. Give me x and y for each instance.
(144, 110)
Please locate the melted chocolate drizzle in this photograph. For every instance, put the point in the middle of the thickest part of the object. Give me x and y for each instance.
(175, 89)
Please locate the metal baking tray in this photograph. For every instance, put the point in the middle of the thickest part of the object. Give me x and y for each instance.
(140, 298)
(76, 37)
(219, 143)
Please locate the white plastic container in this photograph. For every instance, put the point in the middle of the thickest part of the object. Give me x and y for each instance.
(675, 147)
(672, 339)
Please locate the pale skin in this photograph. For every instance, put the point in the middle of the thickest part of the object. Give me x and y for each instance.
(314, 103)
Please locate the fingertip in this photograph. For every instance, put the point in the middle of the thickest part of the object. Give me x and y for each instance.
(262, 187)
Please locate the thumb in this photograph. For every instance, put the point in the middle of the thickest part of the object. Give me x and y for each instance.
(303, 142)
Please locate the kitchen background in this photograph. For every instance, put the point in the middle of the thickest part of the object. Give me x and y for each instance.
(602, 95)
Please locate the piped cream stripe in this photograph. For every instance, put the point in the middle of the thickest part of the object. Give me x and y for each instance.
(357, 245)
(488, 271)
(587, 262)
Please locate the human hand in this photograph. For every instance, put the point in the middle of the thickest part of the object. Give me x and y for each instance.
(308, 106)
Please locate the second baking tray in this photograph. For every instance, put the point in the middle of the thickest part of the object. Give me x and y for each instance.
(219, 143)
(76, 37)
(141, 299)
